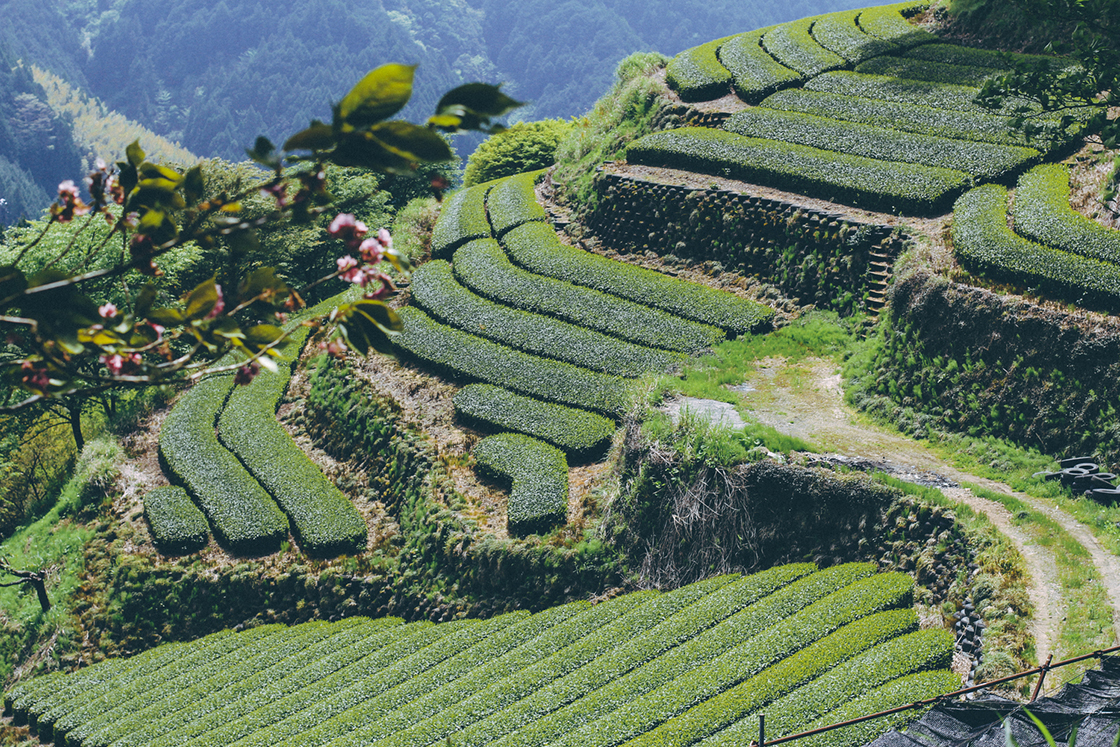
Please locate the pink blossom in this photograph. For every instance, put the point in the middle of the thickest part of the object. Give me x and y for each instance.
(348, 228)
(246, 374)
(69, 204)
(345, 262)
(108, 311)
(220, 306)
(35, 378)
(136, 359)
(355, 275)
(114, 363)
(371, 250)
(385, 238)
(158, 328)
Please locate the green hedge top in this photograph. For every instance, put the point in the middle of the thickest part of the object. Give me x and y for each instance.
(840, 33)
(696, 74)
(513, 201)
(243, 515)
(889, 22)
(577, 432)
(483, 267)
(755, 74)
(477, 358)
(793, 45)
(537, 248)
(435, 289)
(955, 54)
(177, 524)
(935, 72)
(979, 126)
(462, 219)
(538, 499)
(984, 160)
(985, 245)
(878, 185)
(1042, 213)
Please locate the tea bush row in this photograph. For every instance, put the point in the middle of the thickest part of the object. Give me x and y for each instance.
(567, 674)
(1042, 213)
(889, 22)
(241, 512)
(986, 246)
(697, 74)
(840, 33)
(983, 160)
(513, 201)
(178, 527)
(927, 70)
(323, 520)
(483, 267)
(461, 219)
(538, 498)
(480, 359)
(755, 74)
(435, 290)
(878, 185)
(536, 247)
(955, 54)
(577, 432)
(911, 117)
(792, 45)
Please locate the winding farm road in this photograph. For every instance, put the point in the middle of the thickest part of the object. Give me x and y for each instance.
(805, 400)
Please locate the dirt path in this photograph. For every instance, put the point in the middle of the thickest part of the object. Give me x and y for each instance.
(806, 401)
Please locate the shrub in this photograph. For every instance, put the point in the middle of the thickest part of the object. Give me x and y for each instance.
(889, 22)
(877, 185)
(755, 74)
(983, 127)
(840, 33)
(697, 74)
(178, 527)
(536, 247)
(523, 146)
(986, 246)
(462, 219)
(483, 267)
(513, 201)
(477, 358)
(1042, 213)
(792, 45)
(242, 514)
(538, 499)
(954, 54)
(435, 290)
(927, 70)
(983, 160)
(323, 520)
(577, 432)
(937, 95)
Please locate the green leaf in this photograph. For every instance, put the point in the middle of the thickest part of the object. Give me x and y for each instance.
(261, 335)
(12, 281)
(227, 327)
(166, 317)
(193, 185)
(413, 142)
(475, 104)
(144, 299)
(318, 136)
(366, 151)
(202, 300)
(135, 154)
(260, 280)
(264, 153)
(369, 325)
(379, 95)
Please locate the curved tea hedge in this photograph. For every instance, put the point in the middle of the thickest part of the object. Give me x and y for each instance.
(178, 527)
(1042, 213)
(536, 247)
(983, 160)
(986, 246)
(480, 359)
(435, 289)
(243, 515)
(928, 70)
(840, 33)
(910, 117)
(792, 45)
(697, 74)
(462, 219)
(577, 674)
(954, 54)
(483, 267)
(889, 22)
(538, 499)
(878, 185)
(513, 201)
(754, 73)
(577, 432)
(323, 520)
